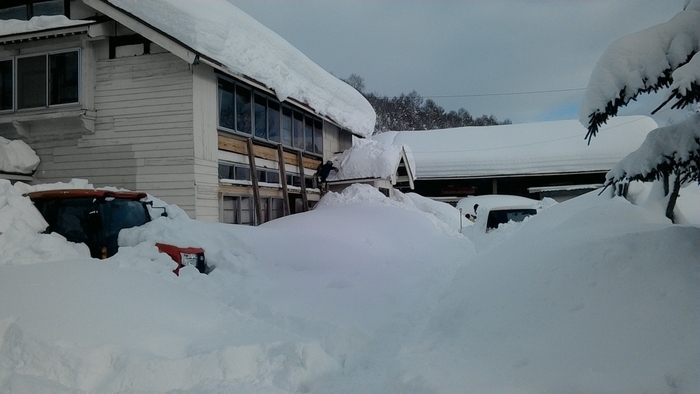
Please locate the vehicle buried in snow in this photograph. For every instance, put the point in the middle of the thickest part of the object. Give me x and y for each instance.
(95, 217)
(490, 211)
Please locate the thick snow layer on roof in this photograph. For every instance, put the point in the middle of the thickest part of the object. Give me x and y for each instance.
(38, 23)
(17, 157)
(220, 31)
(635, 62)
(678, 142)
(519, 149)
(367, 159)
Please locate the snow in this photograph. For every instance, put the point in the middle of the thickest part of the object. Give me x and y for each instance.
(676, 143)
(17, 157)
(636, 62)
(369, 159)
(220, 31)
(361, 294)
(518, 149)
(37, 23)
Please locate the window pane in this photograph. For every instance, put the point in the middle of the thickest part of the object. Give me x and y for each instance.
(298, 130)
(242, 173)
(276, 208)
(230, 210)
(260, 116)
(286, 126)
(17, 12)
(5, 85)
(31, 82)
(273, 120)
(273, 177)
(264, 209)
(63, 78)
(318, 137)
(246, 211)
(309, 134)
(262, 176)
(243, 110)
(226, 110)
(51, 7)
(225, 171)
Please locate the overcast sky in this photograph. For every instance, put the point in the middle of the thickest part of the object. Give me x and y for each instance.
(486, 55)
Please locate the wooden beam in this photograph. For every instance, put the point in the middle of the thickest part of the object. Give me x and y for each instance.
(237, 145)
(254, 178)
(283, 179)
(304, 197)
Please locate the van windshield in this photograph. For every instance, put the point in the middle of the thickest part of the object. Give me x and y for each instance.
(498, 217)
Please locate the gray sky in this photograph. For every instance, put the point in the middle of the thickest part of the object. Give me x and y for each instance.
(475, 48)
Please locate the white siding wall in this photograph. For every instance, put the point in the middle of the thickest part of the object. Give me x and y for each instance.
(143, 137)
(206, 143)
(144, 125)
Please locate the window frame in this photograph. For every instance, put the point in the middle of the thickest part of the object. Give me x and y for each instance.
(293, 127)
(15, 107)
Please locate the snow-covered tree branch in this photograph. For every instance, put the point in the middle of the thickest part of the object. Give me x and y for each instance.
(662, 56)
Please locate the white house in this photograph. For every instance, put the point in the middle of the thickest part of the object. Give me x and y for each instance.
(545, 159)
(194, 102)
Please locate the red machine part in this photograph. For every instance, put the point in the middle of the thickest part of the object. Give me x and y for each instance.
(176, 253)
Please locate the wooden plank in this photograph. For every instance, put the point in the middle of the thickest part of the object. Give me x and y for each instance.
(236, 145)
(150, 101)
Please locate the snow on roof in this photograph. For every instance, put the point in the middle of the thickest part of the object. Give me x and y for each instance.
(17, 157)
(37, 23)
(521, 149)
(220, 31)
(369, 159)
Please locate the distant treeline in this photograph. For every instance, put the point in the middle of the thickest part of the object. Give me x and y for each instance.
(411, 112)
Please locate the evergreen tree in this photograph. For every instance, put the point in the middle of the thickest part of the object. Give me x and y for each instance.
(663, 56)
(411, 112)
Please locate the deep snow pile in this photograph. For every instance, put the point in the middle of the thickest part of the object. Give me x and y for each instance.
(362, 294)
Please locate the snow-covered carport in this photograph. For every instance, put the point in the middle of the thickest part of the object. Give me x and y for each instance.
(544, 159)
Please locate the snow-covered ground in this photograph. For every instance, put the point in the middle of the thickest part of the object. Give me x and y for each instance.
(361, 295)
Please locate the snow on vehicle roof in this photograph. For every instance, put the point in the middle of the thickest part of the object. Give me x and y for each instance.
(520, 149)
(222, 32)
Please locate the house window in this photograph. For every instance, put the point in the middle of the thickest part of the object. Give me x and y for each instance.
(246, 110)
(298, 130)
(51, 7)
(237, 210)
(227, 114)
(6, 85)
(286, 126)
(31, 82)
(40, 80)
(273, 121)
(260, 116)
(318, 137)
(32, 8)
(243, 110)
(16, 12)
(63, 78)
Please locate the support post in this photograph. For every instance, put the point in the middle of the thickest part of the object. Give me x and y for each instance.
(283, 178)
(256, 187)
(304, 197)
